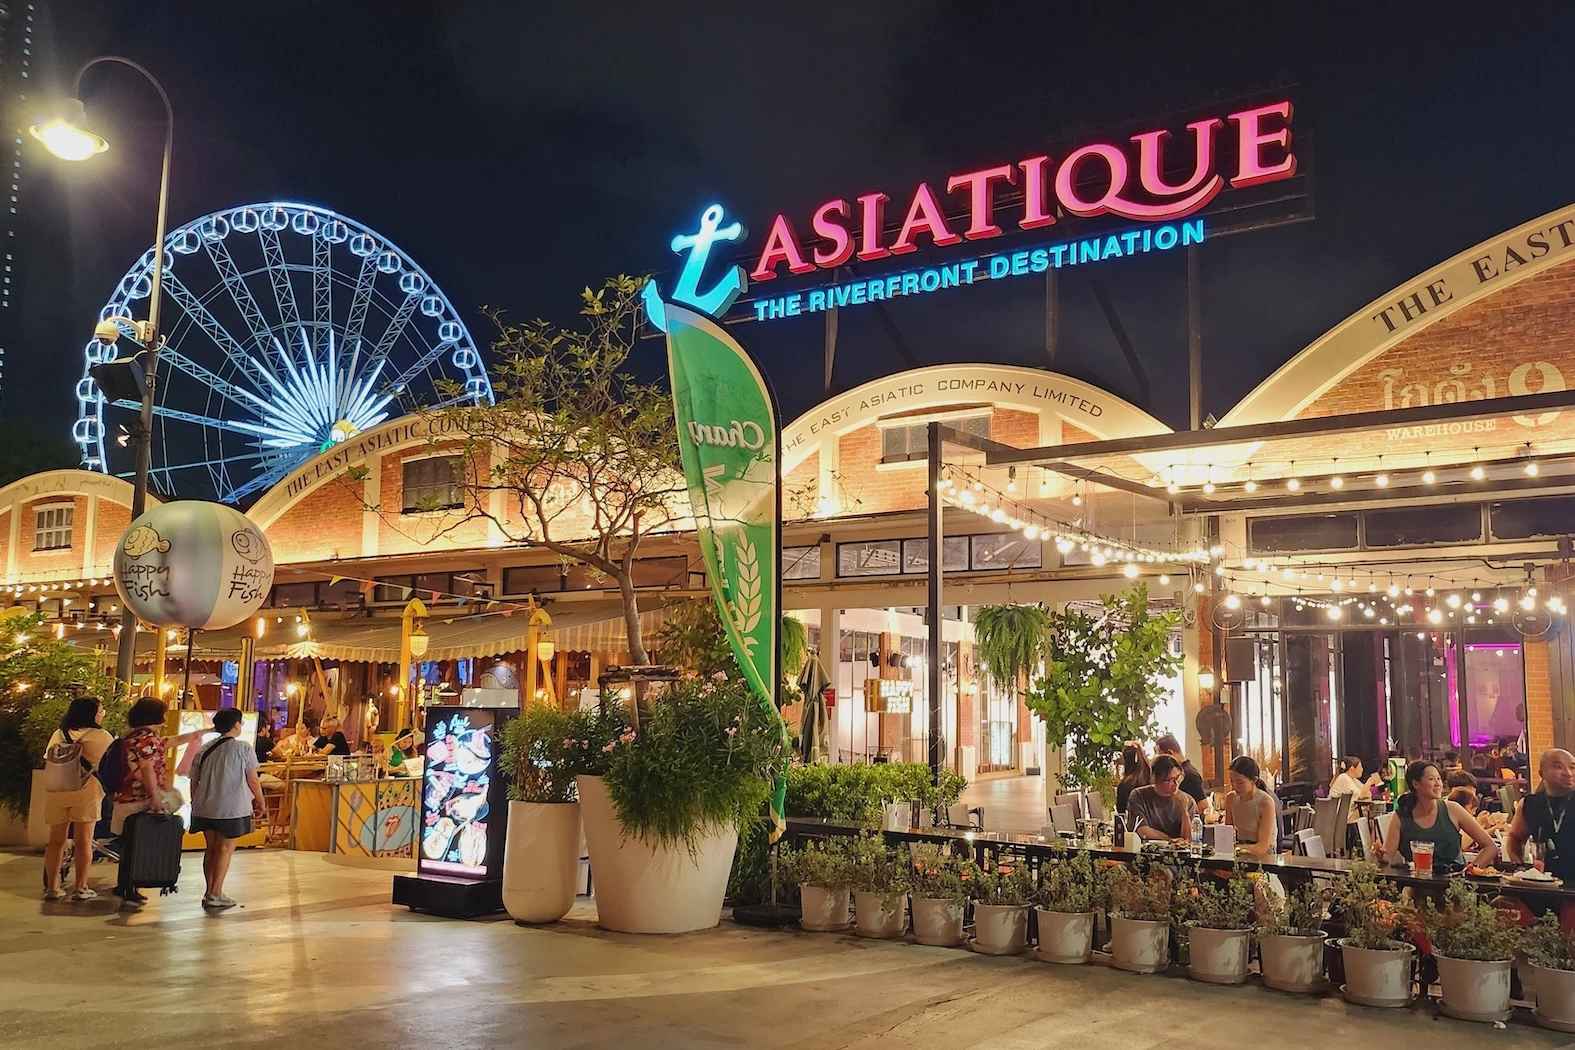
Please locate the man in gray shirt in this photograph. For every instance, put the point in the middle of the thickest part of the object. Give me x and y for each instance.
(1162, 810)
(225, 797)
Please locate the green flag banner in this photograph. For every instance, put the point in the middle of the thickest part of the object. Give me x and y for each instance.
(727, 437)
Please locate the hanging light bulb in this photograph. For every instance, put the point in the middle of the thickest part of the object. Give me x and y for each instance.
(1428, 477)
(1531, 469)
(1293, 483)
(1381, 480)
(1434, 616)
(1336, 481)
(1335, 612)
(1011, 479)
(1130, 570)
(1077, 499)
(1164, 579)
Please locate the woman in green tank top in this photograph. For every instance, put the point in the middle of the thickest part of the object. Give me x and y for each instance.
(1424, 815)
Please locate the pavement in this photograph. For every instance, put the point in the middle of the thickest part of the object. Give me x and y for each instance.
(317, 956)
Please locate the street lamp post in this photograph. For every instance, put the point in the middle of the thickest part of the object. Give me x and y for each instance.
(67, 137)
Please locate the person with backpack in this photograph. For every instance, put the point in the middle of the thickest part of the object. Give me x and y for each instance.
(225, 797)
(72, 794)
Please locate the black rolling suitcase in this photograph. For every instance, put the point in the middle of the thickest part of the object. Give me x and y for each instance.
(150, 852)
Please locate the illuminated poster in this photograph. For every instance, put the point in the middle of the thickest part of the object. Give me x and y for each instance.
(455, 792)
(190, 722)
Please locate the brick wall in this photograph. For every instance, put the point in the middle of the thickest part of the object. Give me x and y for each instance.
(1518, 340)
(56, 564)
(113, 520)
(326, 523)
(1539, 701)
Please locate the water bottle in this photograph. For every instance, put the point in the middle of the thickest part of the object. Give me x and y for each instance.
(1197, 835)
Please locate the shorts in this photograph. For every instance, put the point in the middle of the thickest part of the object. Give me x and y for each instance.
(82, 806)
(226, 827)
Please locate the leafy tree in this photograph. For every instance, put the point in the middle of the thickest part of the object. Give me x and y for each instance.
(585, 454)
(692, 637)
(1101, 684)
(39, 676)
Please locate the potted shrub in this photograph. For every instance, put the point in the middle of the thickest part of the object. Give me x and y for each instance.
(823, 875)
(543, 750)
(1550, 973)
(1377, 963)
(940, 887)
(1474, 943)
(1140, 920)
(1217, 915)
(663, 823)
(880, 888)
(1001, 897)
(1071, 888)
(1290, 939)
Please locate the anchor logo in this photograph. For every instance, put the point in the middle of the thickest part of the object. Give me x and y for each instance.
(722, 295)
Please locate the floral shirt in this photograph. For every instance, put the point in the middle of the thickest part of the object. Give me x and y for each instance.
(142, 743)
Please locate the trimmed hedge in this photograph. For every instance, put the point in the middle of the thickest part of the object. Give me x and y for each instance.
(857, 793)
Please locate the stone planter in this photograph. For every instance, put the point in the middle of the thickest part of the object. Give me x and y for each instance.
(1065, 937)
(646, 888)
(1292, 962)
(1218, 956)
(938, 921)
(824, 911)
(28, 830)
(541, 860)
(1139, 945)
(1377, 976)
(1554, 991)
(1000, 929)
(1474, 991)
(883, 915)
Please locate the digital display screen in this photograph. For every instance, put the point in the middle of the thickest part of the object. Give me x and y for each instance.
(455, 787)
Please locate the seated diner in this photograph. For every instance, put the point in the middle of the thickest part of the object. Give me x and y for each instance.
(1162, 810)
(1250, 809)
(1423, 814)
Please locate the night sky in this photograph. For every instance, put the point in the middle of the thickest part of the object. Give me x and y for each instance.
(519, 151)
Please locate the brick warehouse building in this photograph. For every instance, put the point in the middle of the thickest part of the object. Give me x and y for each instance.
(1316, 532)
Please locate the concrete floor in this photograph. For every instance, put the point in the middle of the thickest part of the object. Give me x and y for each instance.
(318, 957)
(1011, 803)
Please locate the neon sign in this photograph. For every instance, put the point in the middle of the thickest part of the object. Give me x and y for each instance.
(687, 291)
(1132, 181)
(1091, 180)
(972, 271)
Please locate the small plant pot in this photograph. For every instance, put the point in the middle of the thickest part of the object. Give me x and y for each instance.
(1139, 945)
(541, 860)
(1065, 937)
(883, 915)
(1000, 929)
(938, 921)
(824, 911)
(1292, 962)
(1377, 976)
(1474, 991)
(1554, 991)
(1218, 956)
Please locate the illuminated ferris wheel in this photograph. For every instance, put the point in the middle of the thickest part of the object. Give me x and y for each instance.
(288, 328)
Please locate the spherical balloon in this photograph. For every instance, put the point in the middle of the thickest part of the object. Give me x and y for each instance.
(193, 564)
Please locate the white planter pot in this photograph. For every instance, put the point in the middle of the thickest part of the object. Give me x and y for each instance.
(938, 921)
(824, 911)
(1218, 956)
(1474, 991)
(1000, 929)
(1377, 977)
(27, 830)
(1065, 937)
(1554, 991)
(882, 915)
(646, 888)
(1139, 945)
(1292, 962)
(541, 860)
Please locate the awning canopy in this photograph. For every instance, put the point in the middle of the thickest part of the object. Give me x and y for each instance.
(577, 627)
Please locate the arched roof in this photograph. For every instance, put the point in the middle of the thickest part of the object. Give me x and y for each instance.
(1096, 411)
(1445, 289)
(69, 482)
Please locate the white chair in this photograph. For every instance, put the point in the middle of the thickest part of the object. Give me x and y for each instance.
(1096, 807)
(1383, 821)
(1329, 819)
(1364, 834)
(1310, 844)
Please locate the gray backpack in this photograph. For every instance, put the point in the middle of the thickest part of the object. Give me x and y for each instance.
(65, 767)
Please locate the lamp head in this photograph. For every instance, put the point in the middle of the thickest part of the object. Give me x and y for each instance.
(546, 649)
(67, 135)
(418, 641)
(1206, 681)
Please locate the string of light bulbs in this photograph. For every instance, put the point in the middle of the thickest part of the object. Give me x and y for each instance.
(962, 489)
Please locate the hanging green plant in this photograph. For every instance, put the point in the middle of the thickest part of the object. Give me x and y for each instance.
(1010, 641)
